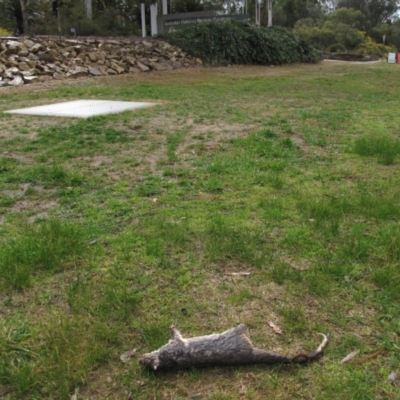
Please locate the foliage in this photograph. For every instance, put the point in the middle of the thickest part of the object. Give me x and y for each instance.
(369, 47)
(340, 35)
(378, 32)
(184, 6)
(342, 31)
(242, 43)
(288, 12)
(115, 20)
(4, 31)
(346, 16)
(321, 38)
(394, 37)
(18, 14)
(375, 11)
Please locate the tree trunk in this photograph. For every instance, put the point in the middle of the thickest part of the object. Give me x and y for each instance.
(24, 18)
(232, 347)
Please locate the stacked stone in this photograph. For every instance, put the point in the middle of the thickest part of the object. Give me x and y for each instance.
(24, 61)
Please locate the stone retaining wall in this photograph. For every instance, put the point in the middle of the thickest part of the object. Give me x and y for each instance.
(24, 60)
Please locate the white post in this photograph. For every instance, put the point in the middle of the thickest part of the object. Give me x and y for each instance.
(153, 19)
(257, 13)
(143, 20)
(269, 13)
(89, 11)
(164, 7)
(228, 7)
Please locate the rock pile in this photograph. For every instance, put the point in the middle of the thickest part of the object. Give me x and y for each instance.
(28, 60)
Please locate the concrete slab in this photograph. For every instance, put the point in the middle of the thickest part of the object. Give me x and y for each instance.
(82, 108)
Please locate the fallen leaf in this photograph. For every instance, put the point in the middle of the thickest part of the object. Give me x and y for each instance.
(392, 378)
(275, 328)
(154, 200)
(127, 355)
(369, 357)
(238, 273)
(349, 357)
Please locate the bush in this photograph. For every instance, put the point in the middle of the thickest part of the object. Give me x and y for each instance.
(236, 42)
(4, 31)
(369, 47)
(337, 47)
(320, 38)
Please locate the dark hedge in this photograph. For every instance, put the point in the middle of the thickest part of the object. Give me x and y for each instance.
(234, 42)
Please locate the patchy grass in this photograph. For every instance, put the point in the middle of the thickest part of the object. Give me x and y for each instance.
(113, 228)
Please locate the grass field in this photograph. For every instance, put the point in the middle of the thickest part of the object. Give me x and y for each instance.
(113, 228)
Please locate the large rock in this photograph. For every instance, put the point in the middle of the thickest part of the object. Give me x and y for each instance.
(23, 66)
(30, 79)
(10, 72)
(117, 67)
(142, 67)
(78, 71)
(17, 81)
(94, 71)
(28, 43)
(159, 67)
(92, 56)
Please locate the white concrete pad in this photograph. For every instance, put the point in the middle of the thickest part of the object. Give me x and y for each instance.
(82, 108)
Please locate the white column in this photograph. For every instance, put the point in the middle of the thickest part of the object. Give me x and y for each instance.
(164, 7)
(143, 20)
(257, 13)
(153, 19)
(228, 7)
(269, 13)
(89, 10)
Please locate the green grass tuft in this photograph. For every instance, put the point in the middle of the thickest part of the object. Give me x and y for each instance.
(385, 148)
(52, 245)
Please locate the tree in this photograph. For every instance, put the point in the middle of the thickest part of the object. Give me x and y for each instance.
(15, 14)
(339, 29)
(395, 33)
(184, 6)
(347, 16)
(288, 12)
(381, 11)
(376, 11)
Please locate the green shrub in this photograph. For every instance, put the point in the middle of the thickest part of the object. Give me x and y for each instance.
(337, 47)
(369, 47)
(235, 42)
(320, 38)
